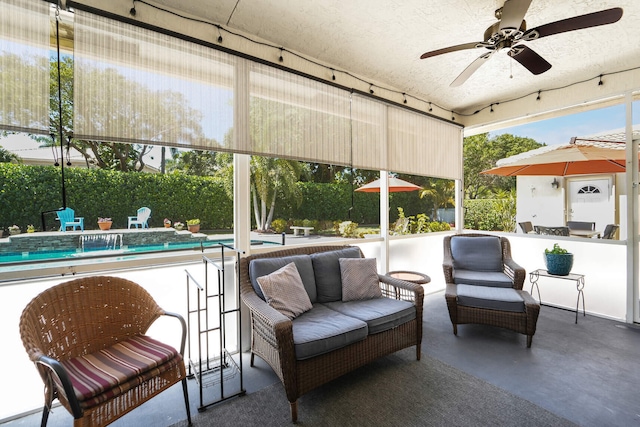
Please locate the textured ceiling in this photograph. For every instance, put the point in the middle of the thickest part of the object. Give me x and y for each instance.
(382, 40)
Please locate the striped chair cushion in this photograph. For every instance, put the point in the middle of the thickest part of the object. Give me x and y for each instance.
(102, 375)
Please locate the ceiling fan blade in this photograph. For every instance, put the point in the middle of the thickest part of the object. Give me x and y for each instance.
(472, 68)
(603, 17)
(529, 59)
(464, 46)
(513, 13)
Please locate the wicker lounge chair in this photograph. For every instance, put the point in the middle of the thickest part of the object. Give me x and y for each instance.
(487, 295)
(73, 327)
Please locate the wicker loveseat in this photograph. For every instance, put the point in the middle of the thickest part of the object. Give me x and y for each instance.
(302, 363)
(484, 284)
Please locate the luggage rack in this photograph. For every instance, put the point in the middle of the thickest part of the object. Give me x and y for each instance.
(211, 373)
(211, 363)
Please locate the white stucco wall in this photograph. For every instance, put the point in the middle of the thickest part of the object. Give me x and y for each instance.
(539, 202)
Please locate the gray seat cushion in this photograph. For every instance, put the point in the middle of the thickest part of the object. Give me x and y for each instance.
(264, 266)
(482, 278)
(327, 271)
(321, 330)
(489, 297)
(483, 253)
(381, 314)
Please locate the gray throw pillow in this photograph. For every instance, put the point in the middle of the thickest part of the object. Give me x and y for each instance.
(327, 272)
(359, 279)
(284, 291)
(263, 266)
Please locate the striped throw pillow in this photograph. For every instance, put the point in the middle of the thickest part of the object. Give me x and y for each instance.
(284, 291)
(359, 279)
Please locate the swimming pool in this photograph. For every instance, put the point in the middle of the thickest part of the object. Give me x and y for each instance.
(17, 258)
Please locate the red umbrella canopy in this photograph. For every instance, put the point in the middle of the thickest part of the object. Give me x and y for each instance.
(575, 158)
(395, 185)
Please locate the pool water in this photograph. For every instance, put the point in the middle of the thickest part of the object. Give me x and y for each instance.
(54, 255)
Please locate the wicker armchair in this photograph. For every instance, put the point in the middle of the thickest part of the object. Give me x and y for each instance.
(523, 322)
(272, 334)
(70, 327)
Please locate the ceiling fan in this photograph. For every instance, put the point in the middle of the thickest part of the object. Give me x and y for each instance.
(511, 31)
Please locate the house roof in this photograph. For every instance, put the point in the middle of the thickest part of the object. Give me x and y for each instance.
(33, 154)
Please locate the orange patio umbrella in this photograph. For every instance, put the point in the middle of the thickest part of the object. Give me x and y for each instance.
(578, 157)
(395, 185)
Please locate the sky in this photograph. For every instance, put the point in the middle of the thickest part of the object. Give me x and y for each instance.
(560, 130)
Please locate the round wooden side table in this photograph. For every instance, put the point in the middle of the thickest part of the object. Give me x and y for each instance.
(410, 276)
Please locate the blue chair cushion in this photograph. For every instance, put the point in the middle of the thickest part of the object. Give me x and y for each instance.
(322, 330)
(482, 278)
(476, 253)
(326, 268)
(265, 266)
(381, 314)
(491, 298)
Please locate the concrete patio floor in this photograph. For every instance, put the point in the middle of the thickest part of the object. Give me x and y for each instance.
(588, 373)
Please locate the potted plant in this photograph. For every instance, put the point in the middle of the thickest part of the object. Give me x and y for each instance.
(31, 228)
(14, 229)
(193, 225)
(167, 223)
(104, 223)
(178, 226)
(559, 261)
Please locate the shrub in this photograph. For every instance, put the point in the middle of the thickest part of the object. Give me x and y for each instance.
(490, 214)
(348, 229)
(278, 225)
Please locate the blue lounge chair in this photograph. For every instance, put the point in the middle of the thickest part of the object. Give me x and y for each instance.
(141, 220)
(67, 218)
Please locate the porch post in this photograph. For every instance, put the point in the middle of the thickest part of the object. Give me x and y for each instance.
(631, 176)
(384, 221)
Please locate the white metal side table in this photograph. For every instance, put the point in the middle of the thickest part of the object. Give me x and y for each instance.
(578, 278)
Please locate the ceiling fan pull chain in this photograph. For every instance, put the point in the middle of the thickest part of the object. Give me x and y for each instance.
(510, 67)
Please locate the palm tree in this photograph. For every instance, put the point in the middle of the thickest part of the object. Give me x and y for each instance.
(442, 193)
(269, 177)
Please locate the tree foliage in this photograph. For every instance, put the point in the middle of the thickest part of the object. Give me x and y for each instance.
(482, 153)
(7, 156)
(125, 157)
(195, 162)
(442, 194)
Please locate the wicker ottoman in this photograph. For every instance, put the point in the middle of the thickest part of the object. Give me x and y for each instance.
(503, 307)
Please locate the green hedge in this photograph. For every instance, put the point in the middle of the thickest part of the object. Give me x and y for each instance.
(490, 214)
(26, 191)
(338, 202)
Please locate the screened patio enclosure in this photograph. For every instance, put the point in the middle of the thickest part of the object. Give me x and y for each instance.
(135, 72)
